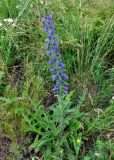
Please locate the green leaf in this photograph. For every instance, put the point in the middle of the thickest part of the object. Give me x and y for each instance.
(6, 100)
(86, 158)
(68, 97)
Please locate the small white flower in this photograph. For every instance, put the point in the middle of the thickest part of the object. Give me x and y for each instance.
(31, 6)
(10, 20)
(14, 23)
(41, 2)
(17, 6)
(5, 20)
(97, 154)
(1, 24)
(108, 135)
(112, 97)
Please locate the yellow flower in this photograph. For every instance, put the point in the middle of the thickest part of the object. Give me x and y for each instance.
(78, 140)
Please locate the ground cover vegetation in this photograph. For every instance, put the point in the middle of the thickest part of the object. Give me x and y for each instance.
(56, 80)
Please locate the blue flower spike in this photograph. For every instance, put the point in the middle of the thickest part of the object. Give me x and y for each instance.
(56, 65)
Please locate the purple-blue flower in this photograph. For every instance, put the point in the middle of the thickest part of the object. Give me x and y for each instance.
(60, 64)
(49, 36)
(65, 76)
(50, 16)
(48, 43)
(59, 82)
(54, 49)
(45, 30)
(66, 88)
(52, 26)
(54, 77)
(51, 32)
(43, 19)
(51, 62)
(55, 89)
(59, 55)
(48, 52)
(55, 43)
(52, 70)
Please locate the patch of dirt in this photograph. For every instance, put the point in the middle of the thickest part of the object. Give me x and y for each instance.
(5, 143)
(28, 154)
(15, 74)
(48, 101)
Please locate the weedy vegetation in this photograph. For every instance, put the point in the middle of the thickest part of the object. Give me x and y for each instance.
(56, 80)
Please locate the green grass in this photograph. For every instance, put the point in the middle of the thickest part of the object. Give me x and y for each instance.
(32, 121)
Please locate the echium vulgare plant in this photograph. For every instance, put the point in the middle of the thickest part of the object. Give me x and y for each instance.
(55, 129)
(55, 61)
